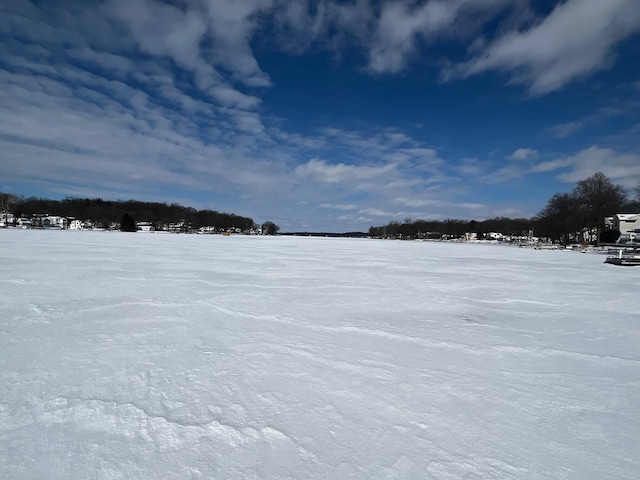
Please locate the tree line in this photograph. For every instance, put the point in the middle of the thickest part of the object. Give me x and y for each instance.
(451, 228)
(104, 213)
(565, 218)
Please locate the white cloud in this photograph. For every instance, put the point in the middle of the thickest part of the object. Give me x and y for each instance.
(523, 154)
(503, 174)
(424, 154)
(198, 39)
(416, 202)
(375, 212)
(321, 171)
(402, 26)
(349, 206)
(333, 24)
(115, 63)
(469, 167)
(575, 40)
(622, 168)
(551, 165)
(214, 38)
(162, 29)
(563, 130)
(232, 25)
(472, 206)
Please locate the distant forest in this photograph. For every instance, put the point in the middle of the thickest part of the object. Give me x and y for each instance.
(104, 213)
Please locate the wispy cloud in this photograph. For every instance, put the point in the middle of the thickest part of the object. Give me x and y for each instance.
(563, 130)
(321, 171)
(403, 26)
(350, 206)
(551, 165)
(504, 174)
(575, 40)
(523, 154)
(622, 168)
(416, 202)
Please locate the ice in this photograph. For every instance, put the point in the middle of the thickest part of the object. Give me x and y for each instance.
(181, 356)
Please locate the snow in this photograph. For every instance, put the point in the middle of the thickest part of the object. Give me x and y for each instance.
(129, 356)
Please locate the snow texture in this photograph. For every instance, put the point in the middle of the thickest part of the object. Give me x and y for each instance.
(148, 356)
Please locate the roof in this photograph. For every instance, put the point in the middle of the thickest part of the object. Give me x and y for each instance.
(628, 217)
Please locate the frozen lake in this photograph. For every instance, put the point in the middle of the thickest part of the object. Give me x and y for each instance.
(151, 356)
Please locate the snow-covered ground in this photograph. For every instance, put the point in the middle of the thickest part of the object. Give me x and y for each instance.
(150, 356)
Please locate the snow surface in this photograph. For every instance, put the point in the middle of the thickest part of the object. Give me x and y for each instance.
(150, 356)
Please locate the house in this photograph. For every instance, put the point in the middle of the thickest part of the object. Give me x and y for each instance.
(627, 224)
(608, 223)
(494, 236)
(76, 225)
(145, 227)
(6, 219)
(54, 222)
(24, 223)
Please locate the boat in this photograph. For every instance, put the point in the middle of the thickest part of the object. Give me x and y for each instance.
(627, 257)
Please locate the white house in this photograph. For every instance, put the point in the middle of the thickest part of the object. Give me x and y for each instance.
(76, 225)
(6, 219)
(145, 227)
(24, 223)
(627, 224)
(471, 236)
(54, 222)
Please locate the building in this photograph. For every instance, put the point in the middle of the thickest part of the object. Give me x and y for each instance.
(145, 227)
(627, 224)
(24, 223)
(54, 222)
(6, 219)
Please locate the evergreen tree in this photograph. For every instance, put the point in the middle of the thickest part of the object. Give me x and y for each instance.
(127, 223)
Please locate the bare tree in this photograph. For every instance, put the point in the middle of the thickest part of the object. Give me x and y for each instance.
(599, 197)
(559, 218)
(6, 200)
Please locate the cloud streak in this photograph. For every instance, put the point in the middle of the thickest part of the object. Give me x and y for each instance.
(523, 154)
(321, 171)
(621, 168)
(574, 41)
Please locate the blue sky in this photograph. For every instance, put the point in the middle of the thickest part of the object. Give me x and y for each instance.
(320, 115)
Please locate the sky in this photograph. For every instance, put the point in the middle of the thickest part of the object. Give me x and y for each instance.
(320, 115)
